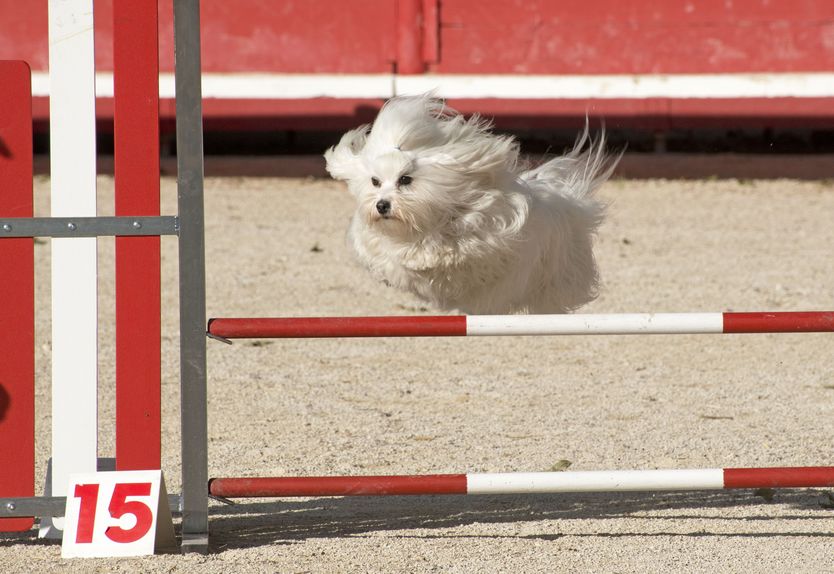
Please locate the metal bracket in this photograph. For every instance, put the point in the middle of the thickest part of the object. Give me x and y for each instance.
(48, 506)
(222, 500)
(218, 338)
(88, 226)
(33, 506)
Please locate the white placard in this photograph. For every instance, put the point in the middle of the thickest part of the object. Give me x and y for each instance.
(123, 513)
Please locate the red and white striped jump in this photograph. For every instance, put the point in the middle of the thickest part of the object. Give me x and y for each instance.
(526, 482)
(493, 325)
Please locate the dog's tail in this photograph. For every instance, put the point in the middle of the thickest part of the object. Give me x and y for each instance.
(582, 170)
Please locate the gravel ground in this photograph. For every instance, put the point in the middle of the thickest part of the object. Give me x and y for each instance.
(275, 246)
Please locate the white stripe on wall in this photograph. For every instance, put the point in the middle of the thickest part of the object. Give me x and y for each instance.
(623, 86)
(299, 86)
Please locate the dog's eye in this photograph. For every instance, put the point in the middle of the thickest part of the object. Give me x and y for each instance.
(404, 180)
(375, 182)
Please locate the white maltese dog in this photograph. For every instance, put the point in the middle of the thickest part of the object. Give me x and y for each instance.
(446, 213)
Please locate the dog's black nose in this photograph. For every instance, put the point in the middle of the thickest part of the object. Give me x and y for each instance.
(383, 206)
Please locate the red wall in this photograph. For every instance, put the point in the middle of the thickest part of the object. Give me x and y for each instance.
(323, 36)
(541, 37)
(636, 37)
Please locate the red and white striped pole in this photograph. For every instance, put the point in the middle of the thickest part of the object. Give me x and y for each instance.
(526, 482)
(494, 325)
(514, 483)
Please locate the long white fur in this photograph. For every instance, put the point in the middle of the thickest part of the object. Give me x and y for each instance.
(472, 231)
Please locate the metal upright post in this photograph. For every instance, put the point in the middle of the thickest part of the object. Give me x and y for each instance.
(192, 277)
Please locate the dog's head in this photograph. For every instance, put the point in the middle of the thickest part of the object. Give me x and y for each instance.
(395, 193)
(419, 164)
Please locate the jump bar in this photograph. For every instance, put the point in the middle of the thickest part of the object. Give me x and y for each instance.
(496, 325)
(526, 482)
(88, 226)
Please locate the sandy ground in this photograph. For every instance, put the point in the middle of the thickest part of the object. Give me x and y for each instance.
(276, 247)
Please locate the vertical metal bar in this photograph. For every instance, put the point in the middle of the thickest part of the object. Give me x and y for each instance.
(192, 280)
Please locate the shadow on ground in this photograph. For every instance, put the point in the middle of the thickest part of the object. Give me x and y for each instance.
(290, 521)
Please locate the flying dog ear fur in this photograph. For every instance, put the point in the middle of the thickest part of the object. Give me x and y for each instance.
(343, 159)
(471, 150)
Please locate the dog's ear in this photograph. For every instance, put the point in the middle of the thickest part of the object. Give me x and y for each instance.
(483, 158)
(437, 158)
(471, 150)
(343, 161)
